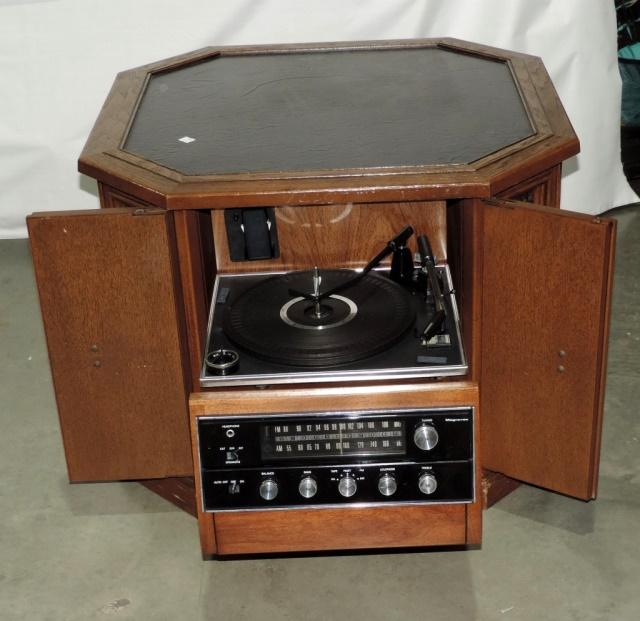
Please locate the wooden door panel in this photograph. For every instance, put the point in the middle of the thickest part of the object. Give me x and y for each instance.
(546, 298)
(107, 291)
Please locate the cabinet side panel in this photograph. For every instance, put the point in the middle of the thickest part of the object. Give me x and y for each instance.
(544, 307)
(107, 294)
(195, 292)
(542, 189)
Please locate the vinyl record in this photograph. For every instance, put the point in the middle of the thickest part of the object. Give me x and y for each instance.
(359, 321)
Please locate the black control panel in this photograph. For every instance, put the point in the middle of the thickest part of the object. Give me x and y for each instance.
(347, 458)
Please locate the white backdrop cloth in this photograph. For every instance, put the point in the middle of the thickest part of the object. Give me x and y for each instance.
(58, 59)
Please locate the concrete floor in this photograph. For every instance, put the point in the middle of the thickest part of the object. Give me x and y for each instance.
(80, 552)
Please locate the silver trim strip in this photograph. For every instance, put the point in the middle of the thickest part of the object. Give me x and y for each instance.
(332, 376)
(346, 413)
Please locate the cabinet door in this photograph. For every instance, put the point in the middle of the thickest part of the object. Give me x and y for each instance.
(546, 294)
(107, 286)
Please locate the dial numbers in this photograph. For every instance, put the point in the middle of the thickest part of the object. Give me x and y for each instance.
(334, 439)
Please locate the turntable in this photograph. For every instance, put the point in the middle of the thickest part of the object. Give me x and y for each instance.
(336, 325)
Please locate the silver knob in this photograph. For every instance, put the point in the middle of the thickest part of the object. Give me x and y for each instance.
(387, 485)
(425, 437)
(308, 487)
(427, 483)
(268, 489)
(347, 486)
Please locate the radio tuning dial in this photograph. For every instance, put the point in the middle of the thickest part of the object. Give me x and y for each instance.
(308, 487)
(347, 486)
(268, 489)
(387, 485)
(427, 483)
(425, 437)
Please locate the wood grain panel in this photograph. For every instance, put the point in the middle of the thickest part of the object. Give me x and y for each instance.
(111, 198)
(338, 235)
(542, 189)
(194, 286)
(332, 398)
(495, 487)
(179, 491)
(206, 521)
(107, 293)
(464, 231)
(340, 529)
(546, 296)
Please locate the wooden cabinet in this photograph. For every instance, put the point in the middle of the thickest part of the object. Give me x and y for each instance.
(125, 290)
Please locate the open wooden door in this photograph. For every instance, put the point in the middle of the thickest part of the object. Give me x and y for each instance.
(546, 295)
(107, 286)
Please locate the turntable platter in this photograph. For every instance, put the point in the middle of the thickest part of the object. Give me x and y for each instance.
(360, 321)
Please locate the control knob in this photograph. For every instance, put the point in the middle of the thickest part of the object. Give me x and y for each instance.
(347, 486)
(425, 437)
(268, 489)
(308, 487)
(387, 485)
(427, 483)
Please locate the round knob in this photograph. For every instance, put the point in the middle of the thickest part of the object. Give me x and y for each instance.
(308, 487)
(222, 361)
(425, 437)
(387, 485)
(347, 486)
(268, 489)
(427, 483)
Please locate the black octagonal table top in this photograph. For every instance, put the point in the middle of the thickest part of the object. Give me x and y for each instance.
(327, 110)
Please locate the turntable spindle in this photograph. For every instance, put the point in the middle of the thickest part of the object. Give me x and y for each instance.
(317, 280)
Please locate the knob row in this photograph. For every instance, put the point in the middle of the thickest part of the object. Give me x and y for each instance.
(347, 486)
